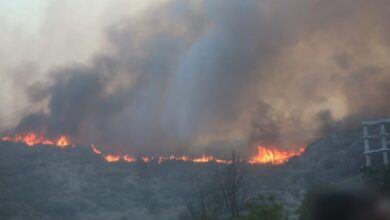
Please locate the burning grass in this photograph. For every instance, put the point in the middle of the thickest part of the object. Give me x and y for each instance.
(264, 155)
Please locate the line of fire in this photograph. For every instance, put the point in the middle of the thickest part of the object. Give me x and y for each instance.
(264, 155)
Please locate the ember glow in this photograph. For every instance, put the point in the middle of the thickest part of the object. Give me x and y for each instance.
(273, 155)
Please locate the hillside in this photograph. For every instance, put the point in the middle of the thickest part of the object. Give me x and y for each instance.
(332, 159)
(48, 183)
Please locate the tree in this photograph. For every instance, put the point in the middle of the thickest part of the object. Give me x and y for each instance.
(306, 205)
(271, 211)
(222, 198)
(378, 177)
(231, 187)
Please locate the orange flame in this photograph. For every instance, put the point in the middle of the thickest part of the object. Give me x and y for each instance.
(95, 150)
(145, 159)
(173, 158)
(112, 158)
(181, 158)
(223, 161)
(273, 156)
(129, 159)
(32, 139)
(203, 159)
(62, 142)
(264, 156)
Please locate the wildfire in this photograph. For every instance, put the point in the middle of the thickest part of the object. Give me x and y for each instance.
(223, 161)
(172, 158)
(112, 158)
(273, 156)
(32, 139)
(129, 159)
(180, 158)
(62, 142)
(145, 159)
(264, 156)
(203, 159)
(95, 150)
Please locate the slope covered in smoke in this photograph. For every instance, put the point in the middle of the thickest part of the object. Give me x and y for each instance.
(186, 75)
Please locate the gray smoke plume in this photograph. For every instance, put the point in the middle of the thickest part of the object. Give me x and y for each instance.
(191, 75)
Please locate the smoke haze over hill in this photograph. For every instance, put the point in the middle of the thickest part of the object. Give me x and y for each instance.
(186, 75)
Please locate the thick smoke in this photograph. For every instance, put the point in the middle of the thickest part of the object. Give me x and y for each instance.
(190, 74)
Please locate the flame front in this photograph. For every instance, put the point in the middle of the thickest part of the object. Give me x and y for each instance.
(273, 155)
(264, 155)
(32, 139)
(112, 158)
(203, 159)
(95, 150)
(62, 142)
(129, 159)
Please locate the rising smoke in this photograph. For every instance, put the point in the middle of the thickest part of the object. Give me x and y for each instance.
(187, 75)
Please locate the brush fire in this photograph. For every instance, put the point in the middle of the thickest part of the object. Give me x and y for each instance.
(31, 139)
(193, 109)
(274, 155)
(264, 155)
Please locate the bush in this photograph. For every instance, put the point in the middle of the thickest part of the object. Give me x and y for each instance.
(378, 177)
(272, 211)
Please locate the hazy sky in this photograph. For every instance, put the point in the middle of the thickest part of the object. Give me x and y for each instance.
(37, 35)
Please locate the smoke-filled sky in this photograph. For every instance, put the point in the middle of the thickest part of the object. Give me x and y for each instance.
(192, 75)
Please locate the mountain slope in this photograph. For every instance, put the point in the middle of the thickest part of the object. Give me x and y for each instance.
(48, 183)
